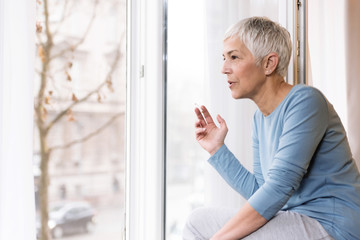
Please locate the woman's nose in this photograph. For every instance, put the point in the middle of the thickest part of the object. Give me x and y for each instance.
(225, 69)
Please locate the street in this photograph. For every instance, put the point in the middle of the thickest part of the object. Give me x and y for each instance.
(109, 226)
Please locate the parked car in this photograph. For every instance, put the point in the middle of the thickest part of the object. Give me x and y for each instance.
(70, 218)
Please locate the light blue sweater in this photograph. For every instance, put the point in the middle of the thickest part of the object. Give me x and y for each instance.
(302, 163)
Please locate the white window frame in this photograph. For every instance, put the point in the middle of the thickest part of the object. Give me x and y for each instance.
(145, 121)
(17, 48)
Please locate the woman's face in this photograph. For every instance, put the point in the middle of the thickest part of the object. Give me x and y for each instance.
(245, 78)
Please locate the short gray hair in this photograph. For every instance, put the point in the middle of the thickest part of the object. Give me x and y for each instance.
(263, 36)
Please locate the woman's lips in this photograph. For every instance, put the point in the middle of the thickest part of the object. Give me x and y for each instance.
(231, 84)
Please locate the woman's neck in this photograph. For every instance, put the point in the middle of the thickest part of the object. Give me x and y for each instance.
(273, 93)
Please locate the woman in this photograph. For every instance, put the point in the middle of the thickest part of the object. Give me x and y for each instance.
(305, 184)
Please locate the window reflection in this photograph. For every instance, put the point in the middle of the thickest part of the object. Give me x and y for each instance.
(79, 119)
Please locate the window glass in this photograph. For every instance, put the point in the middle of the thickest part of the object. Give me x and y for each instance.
(79, 119)
(185, 87)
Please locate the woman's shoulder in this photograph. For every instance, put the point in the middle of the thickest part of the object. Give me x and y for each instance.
(304, 94)
(301, 89)
(302, 98)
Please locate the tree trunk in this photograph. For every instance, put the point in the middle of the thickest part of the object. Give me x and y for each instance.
(44, 184)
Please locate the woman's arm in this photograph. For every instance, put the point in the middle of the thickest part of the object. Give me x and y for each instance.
(234, 173)
(211, 138)
(246, 221)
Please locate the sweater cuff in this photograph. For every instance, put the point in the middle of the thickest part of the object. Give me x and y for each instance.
(266, 201)
(215, 158)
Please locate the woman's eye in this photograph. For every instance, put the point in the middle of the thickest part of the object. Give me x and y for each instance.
(233, 57)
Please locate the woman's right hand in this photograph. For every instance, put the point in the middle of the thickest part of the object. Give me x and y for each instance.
(209, 136)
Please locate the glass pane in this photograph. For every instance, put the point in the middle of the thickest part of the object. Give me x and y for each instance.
(185, 158)
(79, 119)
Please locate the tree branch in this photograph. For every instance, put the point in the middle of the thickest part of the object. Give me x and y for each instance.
(82, 39)
(96, 90)
(47, 26)
(90, 135)
(39, 38)
(64, 16)
(46, 48)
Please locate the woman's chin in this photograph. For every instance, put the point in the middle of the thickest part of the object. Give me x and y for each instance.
(236, 95)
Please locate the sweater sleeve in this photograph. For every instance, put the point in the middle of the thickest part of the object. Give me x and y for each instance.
(232, 171)
(305, 120)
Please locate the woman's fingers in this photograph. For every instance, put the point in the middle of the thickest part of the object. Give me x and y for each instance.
(204, 115)
(199, 115)
(221, 122)
(200, 123)
(207, 115)
(199, 131)
(200, 127)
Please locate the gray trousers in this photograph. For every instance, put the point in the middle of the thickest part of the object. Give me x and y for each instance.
(203, 223)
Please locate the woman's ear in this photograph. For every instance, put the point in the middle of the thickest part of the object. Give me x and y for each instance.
(270, 63)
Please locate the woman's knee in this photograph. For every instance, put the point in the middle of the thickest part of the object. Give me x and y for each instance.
(193, 226)
(204, 222)
(197, 216)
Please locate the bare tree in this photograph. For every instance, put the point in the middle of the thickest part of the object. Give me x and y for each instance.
(49, 52)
